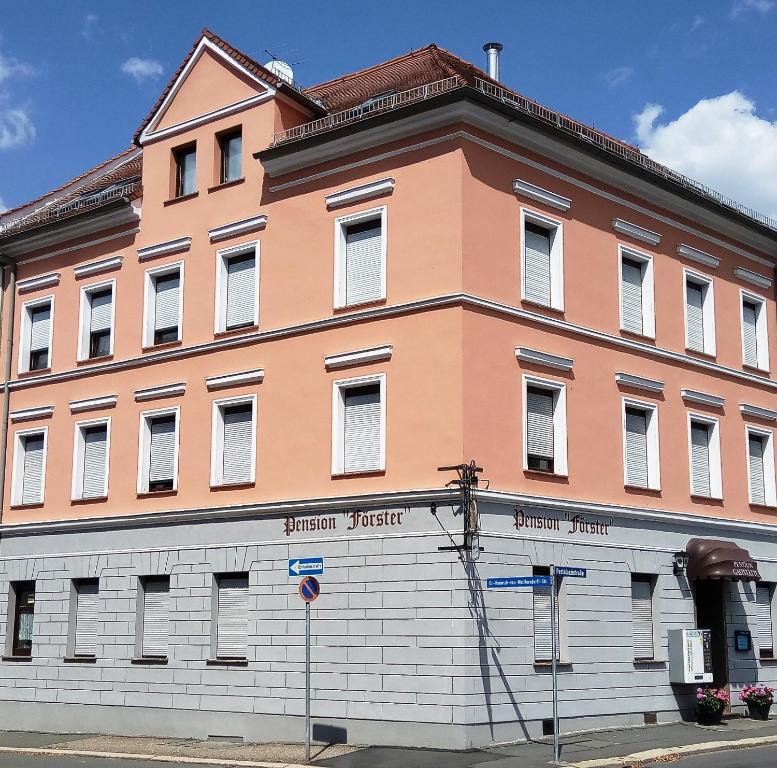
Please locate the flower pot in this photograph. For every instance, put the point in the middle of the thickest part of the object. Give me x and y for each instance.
(706, 716)
(759, 711)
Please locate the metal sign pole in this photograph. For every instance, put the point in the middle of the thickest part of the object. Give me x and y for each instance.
(554, 652)
(307, 682)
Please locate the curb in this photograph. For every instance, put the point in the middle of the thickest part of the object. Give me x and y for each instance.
(684, 751)
(148, 758)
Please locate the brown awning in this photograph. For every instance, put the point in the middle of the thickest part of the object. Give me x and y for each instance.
(715, 559)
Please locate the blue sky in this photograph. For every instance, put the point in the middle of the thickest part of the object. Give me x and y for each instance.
(693, 82)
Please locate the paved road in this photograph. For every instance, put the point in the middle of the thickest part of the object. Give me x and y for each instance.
(760, 757)
(60, 761)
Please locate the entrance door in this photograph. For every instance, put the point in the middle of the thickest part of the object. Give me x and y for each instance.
(710, 597)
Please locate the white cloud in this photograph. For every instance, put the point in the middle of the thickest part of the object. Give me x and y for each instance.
(10, 68)
(142, 69)
(720, 142)
(91, 27)
(16, 128)
(618, 76)
(698, 21)
(758, 6)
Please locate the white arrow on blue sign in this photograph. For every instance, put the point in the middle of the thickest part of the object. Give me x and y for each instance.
(306, 566)
(518, 581)
(578, 573)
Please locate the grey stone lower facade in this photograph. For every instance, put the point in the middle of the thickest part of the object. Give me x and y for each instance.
(409, 647)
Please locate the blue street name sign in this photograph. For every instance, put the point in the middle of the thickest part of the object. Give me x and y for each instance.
(577, 573)
(306, 566)
(518, 581)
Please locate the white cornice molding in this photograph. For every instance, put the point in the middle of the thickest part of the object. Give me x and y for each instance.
(544, 359)
(163, 249)
(638, 233)
(757, 412)
(639, 382)
(541, 195)
(167, 390)
(236, 228)
(81, 246)
(359, 356)
(362, 192)
(29, 414)
(255, 376)
(93, 403)
(36, 283)
(702, 398)
(95, 267)
(762, 281)
(700, 257)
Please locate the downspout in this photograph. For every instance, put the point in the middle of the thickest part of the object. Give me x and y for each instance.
(8, 265)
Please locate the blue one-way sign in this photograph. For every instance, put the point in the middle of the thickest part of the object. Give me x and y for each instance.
(518, 581)
(306, 566)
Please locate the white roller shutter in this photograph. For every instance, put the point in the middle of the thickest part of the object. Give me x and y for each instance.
(95, 451)
(241, 291)
(700, 459)
(755, 454)
(86, 618)
(40, 327)
(162, 449)
(636, 448)
(539, 423)
(101, 303)
(537, 264)
(763, 600)
(232, 627)
(361, 439)
(631, 295)
(238, 422)
(750, 333)
(167, 297)
(543, 650)
(32, 481)
(694, 310)
(642, 617)
(156, 617)
(363, 267)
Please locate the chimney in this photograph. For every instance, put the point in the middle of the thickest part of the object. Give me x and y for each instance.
(492, 54)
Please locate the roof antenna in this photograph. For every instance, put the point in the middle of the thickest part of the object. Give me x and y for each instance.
(280, 68)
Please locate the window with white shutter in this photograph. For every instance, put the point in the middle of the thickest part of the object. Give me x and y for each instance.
(232, 616)
(544, 426)
(636, 293)
(87, 593)
(755, 346)
(542, 260)
(765, 624)
(237, 304)
(156, 617)
(360, 258)
(694, 316)
(640, 442)
(541, 614)
(234, 441)
(35, 337)
(158, 465)
(756, 468)
(700, 459)
(29, 467)
(359, 425)
(97, 313)
(90, 460)
(642, 616)
(164, 306)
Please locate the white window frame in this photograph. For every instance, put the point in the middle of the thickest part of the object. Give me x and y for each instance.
(768, 657)
(339, 388)
(341, 225)
(25, 331)
(84, 317)
(761, 328)
(77, 485)
(648, 290)
(17, 481)
(560, 450)
(223, 255)
(716, 476)
(149, 300)
(655, 611)
(770, 489)
(144, 446)
(217, 438)
(556, 228)
(708, 310)
(653, 443)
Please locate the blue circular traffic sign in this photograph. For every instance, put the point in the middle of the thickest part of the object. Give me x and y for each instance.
(309, 589)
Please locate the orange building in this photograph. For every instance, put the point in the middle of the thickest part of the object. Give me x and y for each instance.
(254, 336)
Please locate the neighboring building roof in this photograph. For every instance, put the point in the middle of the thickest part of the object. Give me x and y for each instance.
(244, 61)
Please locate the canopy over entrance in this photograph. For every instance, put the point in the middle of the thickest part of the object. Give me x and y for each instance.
(715, 559)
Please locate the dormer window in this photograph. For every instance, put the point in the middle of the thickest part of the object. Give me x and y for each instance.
(185, 170)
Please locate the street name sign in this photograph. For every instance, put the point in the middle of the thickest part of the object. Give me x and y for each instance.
(518, 581)
(306, 566)
(577, 573)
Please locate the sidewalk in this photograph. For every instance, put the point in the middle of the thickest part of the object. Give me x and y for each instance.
(593, 750)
